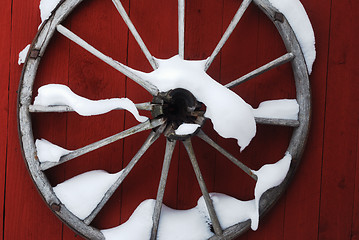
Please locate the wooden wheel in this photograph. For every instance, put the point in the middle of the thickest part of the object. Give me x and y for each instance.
(169, 109)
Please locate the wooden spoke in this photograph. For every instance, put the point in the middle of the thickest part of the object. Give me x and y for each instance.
(181, 26)
(149, 124)
(63, 108)
(275, 63)
(135, 34)
(209, 204)
(44, 109)
(116, 65)
(234, 160)
(150, 140)
(276, 121)
(228, 32)
(170, 145)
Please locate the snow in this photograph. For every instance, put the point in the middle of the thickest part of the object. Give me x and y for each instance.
(187, 128)
(189, 224)
(194, 224)
(46, 8)
(231, 116)
(49, 152)
(297, 17)
(174, 224)
(269, 176)
(231, 211)
(280, 109)
(23, 54)
(137, 227)
(57, 94)
(81, 194)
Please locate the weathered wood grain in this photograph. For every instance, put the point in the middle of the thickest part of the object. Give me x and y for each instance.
(341, 124)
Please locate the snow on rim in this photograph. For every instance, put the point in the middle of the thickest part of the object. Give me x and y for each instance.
(298, 19)
(195, 223)
(46, 7)
(23, 54)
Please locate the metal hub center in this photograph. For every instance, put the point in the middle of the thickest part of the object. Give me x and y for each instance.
(178, 106)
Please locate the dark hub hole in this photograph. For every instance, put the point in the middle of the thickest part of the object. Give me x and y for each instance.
(179, 106)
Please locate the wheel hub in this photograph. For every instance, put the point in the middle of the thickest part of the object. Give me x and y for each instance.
(178, 106)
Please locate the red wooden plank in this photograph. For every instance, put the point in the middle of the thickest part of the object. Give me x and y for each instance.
(203, 30)
(238, 57)
(341, 124)
(156, 22)
(24, 208)
(302, 205)
(270, 142)
(98, 23)
(5, 28)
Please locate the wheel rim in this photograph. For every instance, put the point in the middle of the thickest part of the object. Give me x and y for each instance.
(268, 199)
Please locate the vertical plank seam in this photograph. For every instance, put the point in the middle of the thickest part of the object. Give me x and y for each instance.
(220, 80)
(7, 124)
(67, 117)
(124, 114)
(325, 113)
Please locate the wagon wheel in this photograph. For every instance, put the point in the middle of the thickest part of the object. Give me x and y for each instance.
(164, 121)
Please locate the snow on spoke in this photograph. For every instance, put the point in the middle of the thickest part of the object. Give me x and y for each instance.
(281, 109)
(181, 26)
(234, 160)
(148, 106)
(170, 145)
(209, 204)
(134, 32)
(149, 141)
(57, 94)
(149, 124)
(130, 73)
(49, 152)
(278, 112)
(273, 64)
(228, 32)
(231, 116)
(81, 194)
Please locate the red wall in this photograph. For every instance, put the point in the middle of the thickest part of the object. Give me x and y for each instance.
(322, 201)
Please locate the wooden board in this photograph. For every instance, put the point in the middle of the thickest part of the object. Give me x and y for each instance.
(322, 202)
(5, 39)
(302, 201)
(156, 22)
(341, 122)
(25, 214)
